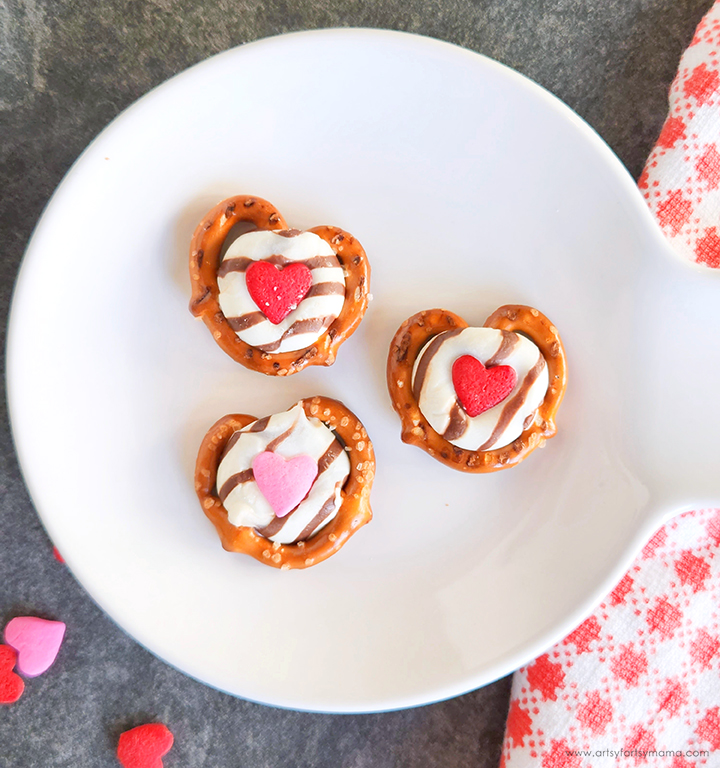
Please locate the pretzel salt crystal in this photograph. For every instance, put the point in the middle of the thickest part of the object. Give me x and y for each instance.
(411, 338)
(205, 249)
(354, 510)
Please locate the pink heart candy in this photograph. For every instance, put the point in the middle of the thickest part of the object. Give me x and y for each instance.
(37, 642)
(284, 482)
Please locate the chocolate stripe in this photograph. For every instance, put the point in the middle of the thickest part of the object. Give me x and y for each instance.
(329, 456)
(233, 481)
(273, 444)
(241, 263)
(507, 345)
(245, 321)
(274, 526)
(514, 405)
(259, 425)
(311, 325)
(458, 424)
(325, 511)
(321, 262)
(278, 260)
(428, 355)
(326, 289)
(233, 439)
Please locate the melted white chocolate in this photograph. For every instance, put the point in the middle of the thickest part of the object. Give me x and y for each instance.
(314, 314)
(504, 422)
(289, 434)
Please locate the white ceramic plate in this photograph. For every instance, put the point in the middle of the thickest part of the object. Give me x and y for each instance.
(469, 187)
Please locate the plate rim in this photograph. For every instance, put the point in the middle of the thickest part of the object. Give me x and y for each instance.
(510, 661)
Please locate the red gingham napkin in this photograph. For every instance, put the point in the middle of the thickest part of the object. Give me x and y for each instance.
(681, 180)
(638, 683)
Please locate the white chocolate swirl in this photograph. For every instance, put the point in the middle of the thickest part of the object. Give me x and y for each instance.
(498, 426)
(289, 434)
(314, 314)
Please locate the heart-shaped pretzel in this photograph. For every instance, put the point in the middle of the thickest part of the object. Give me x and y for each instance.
(354, 510)
(409, 341)
(205, 249)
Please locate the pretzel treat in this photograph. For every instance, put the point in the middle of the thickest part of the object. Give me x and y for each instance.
(288, 489)
(276, 299)
(477, 399)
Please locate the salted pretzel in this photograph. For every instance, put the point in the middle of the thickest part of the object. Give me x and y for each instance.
(354, 510)
(205, 250)
(413, 336)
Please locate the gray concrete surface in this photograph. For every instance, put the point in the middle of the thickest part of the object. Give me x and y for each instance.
(67, 67)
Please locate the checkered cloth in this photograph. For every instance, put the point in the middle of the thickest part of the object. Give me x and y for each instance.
(638, 683)
(681, 180)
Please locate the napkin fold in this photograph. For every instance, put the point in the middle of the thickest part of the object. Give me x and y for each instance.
(638, 683)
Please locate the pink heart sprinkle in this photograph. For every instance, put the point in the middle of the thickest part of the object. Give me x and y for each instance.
(284, 482)
(36, 641)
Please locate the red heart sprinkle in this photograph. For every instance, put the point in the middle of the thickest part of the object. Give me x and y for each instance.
(11, 685)
(142, 747)
(277, 291)
(479, 388)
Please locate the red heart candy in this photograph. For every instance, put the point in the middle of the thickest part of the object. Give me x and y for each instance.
(142, 747)
(11, 685)
(479, 388)
(277, 291)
